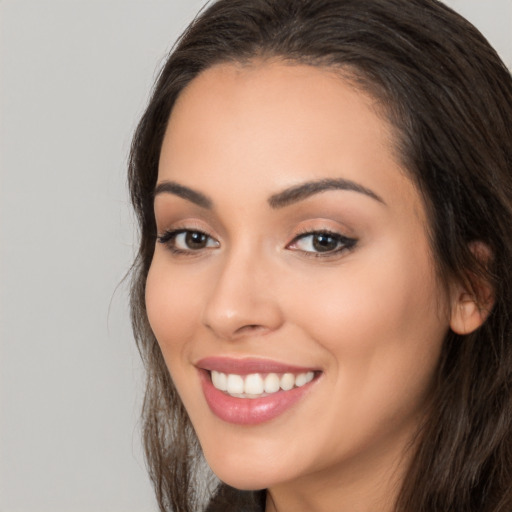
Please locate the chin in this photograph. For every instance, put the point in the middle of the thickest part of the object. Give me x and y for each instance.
(247, 473)
(244, 481)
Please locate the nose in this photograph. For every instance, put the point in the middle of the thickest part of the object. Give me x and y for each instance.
(243, 300)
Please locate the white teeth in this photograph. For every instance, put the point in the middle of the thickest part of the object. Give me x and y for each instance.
(254, 384)
(220, 380)
(287, 381)
(301, 380)
(235, 384)
(271, 383)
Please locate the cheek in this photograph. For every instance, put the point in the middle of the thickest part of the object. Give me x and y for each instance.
(171, 307)
(381, 330)
(381, 320)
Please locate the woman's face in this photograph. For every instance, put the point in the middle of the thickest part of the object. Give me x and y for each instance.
(293, 265)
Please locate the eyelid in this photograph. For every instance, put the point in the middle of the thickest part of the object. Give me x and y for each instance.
(173, 233)
(174, 226)
(168, 238)
(345, 243)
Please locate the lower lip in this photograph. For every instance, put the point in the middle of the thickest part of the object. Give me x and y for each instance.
(249, 411)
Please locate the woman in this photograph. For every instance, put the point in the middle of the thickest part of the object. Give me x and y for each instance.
(322, 294)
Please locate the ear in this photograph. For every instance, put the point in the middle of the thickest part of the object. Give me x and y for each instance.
(472, 301)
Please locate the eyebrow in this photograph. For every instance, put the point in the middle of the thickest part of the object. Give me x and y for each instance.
(171, 187)
(280, 200)
(300, 192)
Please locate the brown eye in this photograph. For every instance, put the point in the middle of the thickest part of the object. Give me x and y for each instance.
(183, 241)
(196, 240)
(323, 242)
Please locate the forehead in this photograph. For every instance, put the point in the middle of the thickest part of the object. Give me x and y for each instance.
(266, 91)
(270, 125)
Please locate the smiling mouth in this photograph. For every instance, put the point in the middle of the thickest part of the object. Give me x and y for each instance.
(252, 391)
(258, 385)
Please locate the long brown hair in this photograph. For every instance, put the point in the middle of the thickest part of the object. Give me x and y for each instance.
(449, 98)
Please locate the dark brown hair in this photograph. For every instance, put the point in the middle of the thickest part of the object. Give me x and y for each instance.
(449, 98)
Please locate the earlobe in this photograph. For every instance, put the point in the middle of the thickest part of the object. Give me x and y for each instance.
(467, 314)
(472, 302)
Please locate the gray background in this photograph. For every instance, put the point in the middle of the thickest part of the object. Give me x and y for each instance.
(75, 76)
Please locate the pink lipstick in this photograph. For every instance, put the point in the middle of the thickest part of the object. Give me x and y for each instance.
(251, 391)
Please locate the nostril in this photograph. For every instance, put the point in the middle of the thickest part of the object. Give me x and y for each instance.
(230, 313)
(250, 328)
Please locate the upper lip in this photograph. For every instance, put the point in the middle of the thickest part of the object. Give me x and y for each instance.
(248, 365)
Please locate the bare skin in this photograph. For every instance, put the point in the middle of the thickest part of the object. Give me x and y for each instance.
(339, 279)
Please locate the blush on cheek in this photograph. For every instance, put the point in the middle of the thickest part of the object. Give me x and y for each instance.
(161, 305)
(155, 301)
(173, 311)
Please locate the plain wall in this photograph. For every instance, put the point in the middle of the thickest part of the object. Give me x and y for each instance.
(74, 77)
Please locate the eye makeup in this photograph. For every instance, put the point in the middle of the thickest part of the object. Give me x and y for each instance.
(322, 243)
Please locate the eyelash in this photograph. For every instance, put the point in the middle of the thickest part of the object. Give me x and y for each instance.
(345, 243)
(169, 237)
